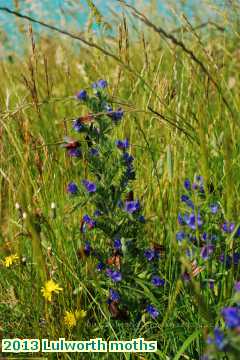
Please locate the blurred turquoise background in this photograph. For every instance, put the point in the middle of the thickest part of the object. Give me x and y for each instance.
(75, 16)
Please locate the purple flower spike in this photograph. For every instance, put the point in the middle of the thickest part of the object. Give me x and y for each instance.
(152, 311)
(72, 188)
(90, 186)
(132, 206)
(180, 236)
(82, 95)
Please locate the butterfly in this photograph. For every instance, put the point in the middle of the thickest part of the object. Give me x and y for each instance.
(70, 143)
(115, 259)
(196, 269)
(86, 119)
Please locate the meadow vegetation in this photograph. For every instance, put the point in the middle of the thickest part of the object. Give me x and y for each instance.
(179, 92)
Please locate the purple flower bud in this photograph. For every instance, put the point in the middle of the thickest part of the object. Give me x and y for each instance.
(82, 95)
(75, 152)
(122, 144)
(114, 295)
(187, 184)
(149, 254)
(157, 281)
(115, 275)
(90, 186)
(152, 311)
(206, 251)
(72, 188)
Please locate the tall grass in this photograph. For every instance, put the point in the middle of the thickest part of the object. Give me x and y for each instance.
(182, 119)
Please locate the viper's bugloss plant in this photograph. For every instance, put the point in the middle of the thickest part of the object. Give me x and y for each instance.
(209, 241)
(225, 339)
(114, 217)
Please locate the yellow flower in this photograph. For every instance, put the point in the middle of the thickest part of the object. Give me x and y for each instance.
(70, 318)
(9, 260)
(49, 287)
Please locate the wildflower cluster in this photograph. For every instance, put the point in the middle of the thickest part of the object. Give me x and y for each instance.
(225, 340)
(209, 240)
(114, 216)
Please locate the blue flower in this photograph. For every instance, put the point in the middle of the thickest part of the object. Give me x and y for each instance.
(142, 219)
(94, 152)
(90, 186)
(72, 188)
(97, 213)
(75, 152)
(184, 198)
(219, 338)
(149, 254)
(116, 115)
(192, 222)
(122, 144)
(132, 206)
(114, 295)
(228, 227)
(100, 84)
(115, 275)
(237, 286)
(181, 219)
(180, 235)
(214, 208)
(157, 281)
(100, 266)
(82, 95)
(152, 311)
(226, 259)
(88, 220)
(87, 248)
(231, 316)
(236, 258)
(187, 200)
(128, 159)
(77, 125)
(187, 184)
(117, 244)
(206, 251)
